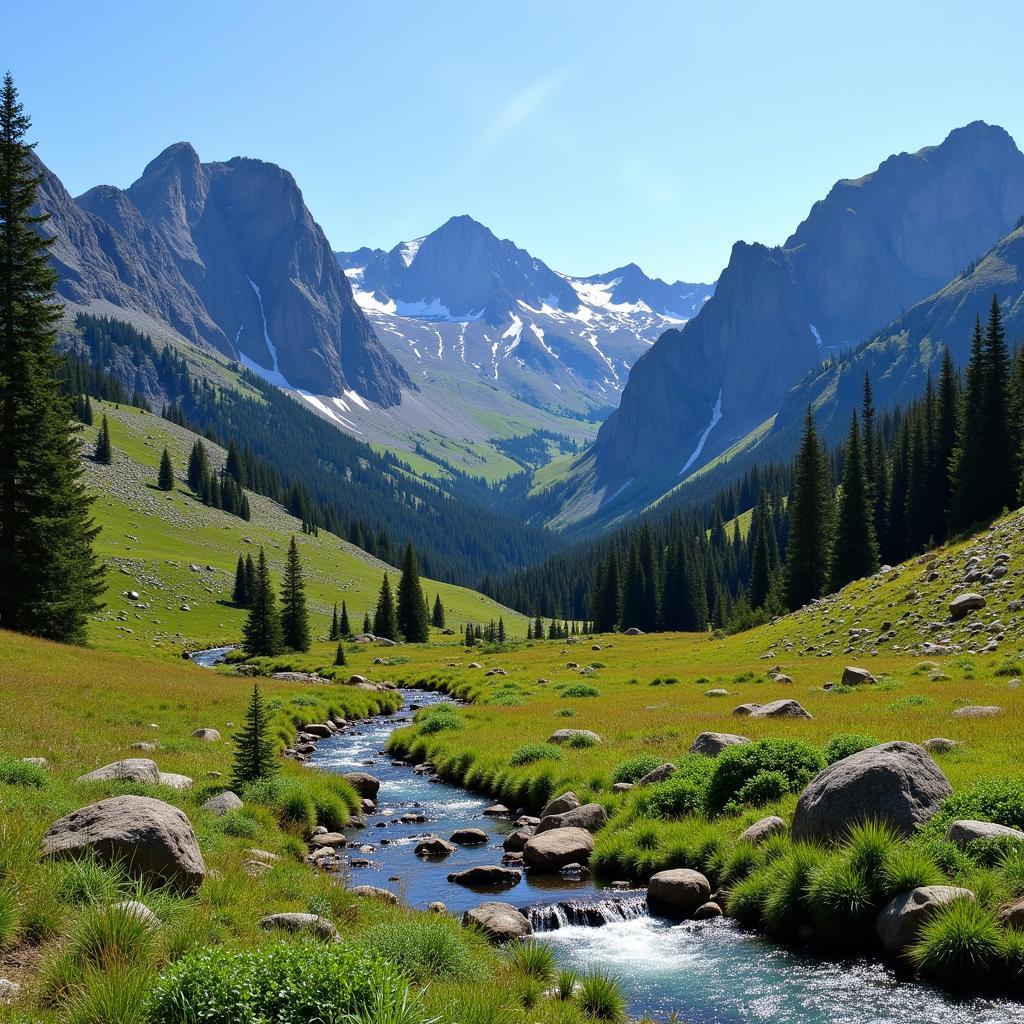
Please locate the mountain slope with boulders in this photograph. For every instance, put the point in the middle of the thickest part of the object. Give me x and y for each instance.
(868, 251)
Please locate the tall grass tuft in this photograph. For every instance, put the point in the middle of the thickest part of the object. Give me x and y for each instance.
(785, 905)
(961, 943)
(117, 994)
(534, 960)
(426, 948)
(8, 915)
(566, 984)
(600, 996)
(907, 867)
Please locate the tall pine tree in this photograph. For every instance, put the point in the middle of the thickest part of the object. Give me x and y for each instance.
(294, 617)
(254, 750)
(385, 620)
(104, 450)
(261, 635)
(165, 477)
(855, 551)
(411, 611)
(969, 462)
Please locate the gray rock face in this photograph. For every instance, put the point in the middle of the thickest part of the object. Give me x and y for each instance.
(678, 892)
(501, 922)
(550, 851)
(486, 875)
(781, 709)
(659, 774)
(565, 735)
(566, 802)
(222, 803)
(896, 783)
(763, 829)
(589, 816)
(965, 832)
(306, 924)
(902, 918)
(964, 604)
(131, 769)
(363, 783)
(711, 744)
(206, 735)
(853, 676)
(153, 839)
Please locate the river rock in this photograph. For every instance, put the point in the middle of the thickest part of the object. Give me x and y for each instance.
(131, 769)
(896, 783)
(550, 851)
(589, 816)
(333, 839)
(500, 922)
(434, 846)
(853, 676)
(206, 735)
(978, 711)
(711, 744)
(678, 892)
(902, 918)
(153, 840)
(496, 811)
(363, 783)
(468, 836)
(966, 603)
(763, 829)
(375, 892)
(963, 833)
(707, 911)
(222, 803)
(566, 735)
(437, 907)
(138, 910)
(515, 841)
(659, 774)
(306, 924)
(566, 802)
(786, 708)
(319, 730)
(486, 874)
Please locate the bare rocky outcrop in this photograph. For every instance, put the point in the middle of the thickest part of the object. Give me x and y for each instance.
(711, 744)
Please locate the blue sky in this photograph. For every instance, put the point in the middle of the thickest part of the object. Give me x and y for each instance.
(592, 134)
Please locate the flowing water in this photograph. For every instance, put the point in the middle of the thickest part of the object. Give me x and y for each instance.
(211, 657)
(706, 972)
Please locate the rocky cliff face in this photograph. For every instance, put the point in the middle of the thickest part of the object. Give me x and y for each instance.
(871, 249)
(228, 255)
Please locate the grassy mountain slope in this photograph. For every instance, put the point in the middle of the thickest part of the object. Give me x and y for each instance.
(151, 539)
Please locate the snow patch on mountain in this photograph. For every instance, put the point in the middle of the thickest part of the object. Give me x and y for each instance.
(716, 415)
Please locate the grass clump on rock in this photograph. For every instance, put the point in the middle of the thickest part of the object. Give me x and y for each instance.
(961, 943)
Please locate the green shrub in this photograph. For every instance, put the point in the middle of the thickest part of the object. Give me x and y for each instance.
(634, 768)
(798, 762)
(426, 948)
(845, 744)
(600, 996)
(785, 903)
(684, 792)
(565, 713)
(581, 740)
(841, 900)
(15, 772)
(240, 824)
(999, 799)
(962, 942)
(439, 718)
(991, 851)
(506, 699)
(579, 690)
(911, 700)
(534, 960)
(763, 788)
(284, 982)
(907, 867)
(296, 808)
(1013, 871)
(530, 752)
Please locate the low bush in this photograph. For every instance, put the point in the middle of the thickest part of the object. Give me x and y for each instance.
(763, 788)
(439, 718)
(796, 761)
(579, 690)
(634, 768)
(15, 772)
(426, 948)
(845, 744)
(239, 824)
(962, 942)
(530, 752)
(999, 799)
(684, 792)
(285, 982)
(582, 740)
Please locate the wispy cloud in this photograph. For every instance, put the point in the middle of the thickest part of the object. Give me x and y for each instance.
(514, 113)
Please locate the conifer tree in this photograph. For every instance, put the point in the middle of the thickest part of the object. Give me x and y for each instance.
(607, 604)
(250, 579)
(333, 634)
(165, 478)
(529, 629)
(918, 507)
(261, 635)
(855, 551)
(385, 619)
(501, 630)
(254, 751)
(294, 616)
(806, 570)
(761, 568)
(104, 450)
(339, 655)
(969, 461)
(367, 624)
(50, 580)
(634, 590)
(997, 445)
(344, 628)
(240, 591)
(438, 615)
(538, 629)
(411, 613)
(943, 445)
(470, 635)
(198, 468)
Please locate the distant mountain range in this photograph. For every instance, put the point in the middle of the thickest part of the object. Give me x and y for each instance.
(869, 251)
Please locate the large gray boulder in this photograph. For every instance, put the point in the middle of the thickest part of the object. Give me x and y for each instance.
(660, 774)
(964, 604)
(902, 918)
(589, 816)
(434, 846)
(677, 892)
(486, 874)
(131, 769)
(153, 840)
(764, 829)
(786, 708)
(896, 783)
(363, 783)
(500, 922)
(222, 803)
(305, 924)
(711, 744)
(550, 851)
(566, 802)
(965, 832)
(853, 676)
(566, 735)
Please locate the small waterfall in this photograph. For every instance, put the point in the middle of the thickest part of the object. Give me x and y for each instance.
(583, 913)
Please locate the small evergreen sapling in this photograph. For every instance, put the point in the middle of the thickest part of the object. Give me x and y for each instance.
(254, 752)
(165, 478)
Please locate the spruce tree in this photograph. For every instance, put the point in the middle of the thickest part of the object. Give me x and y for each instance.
(969, 464)
(261, 635)
(334, 634)
(50, 579)
(918, 504)
(438, 615)
(501, 630)
(294, 617)
(761, 567)
(104, 450)
(997, 445)
(385, 619)
(807, 562)
(607, 603)
(412, 619)
(634, 590)
(943, 445)
(250, 579)
(198, 468)
(470, 635)
(165, 478)
(339, 655)
(254, 751)
(367, 624)
(240, 591)
(344, 628)
(855, 551)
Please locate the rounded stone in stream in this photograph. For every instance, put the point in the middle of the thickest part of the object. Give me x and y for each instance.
(677, 892)
(434, 846)
(487, 874)
(500, 922)
(468, 836)
(366, 785)
(566, 802)
(550, 851)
